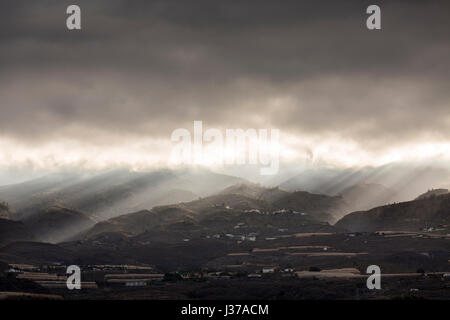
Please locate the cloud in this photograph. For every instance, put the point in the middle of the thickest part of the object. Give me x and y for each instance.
(138, 70)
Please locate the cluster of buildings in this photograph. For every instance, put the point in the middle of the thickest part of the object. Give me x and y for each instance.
(279, 211)
(246, 237)
(55, 276)
(45, 279)
(132, 280)
(258, 211)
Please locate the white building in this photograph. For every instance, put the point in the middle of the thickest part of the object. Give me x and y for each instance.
(135, 284)
(268, 270)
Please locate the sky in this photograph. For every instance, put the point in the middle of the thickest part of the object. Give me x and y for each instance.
(112, 93)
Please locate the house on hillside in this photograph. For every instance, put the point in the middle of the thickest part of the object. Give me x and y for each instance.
(268, 270)
(135, 284)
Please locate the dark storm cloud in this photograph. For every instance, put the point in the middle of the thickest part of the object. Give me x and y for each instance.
(148, 67)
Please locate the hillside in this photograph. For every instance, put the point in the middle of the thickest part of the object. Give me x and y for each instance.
(35, 252)
(11, 231)
(250, 196)
(233, 201)
(365, 196)
(4, 210)
(255, 191)
(187, 238)
(57, 224)
(139, 222)
(404, 181)
(317, 206)
(432, 193)
(432, 212)
(240, 208)
(109, 194)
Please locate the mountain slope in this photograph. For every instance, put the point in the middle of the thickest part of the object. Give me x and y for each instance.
(408, 216)
(11, 231)
(35, 253)
(57, 224)
(259, 209)
(255, 191)
(405, 180)
(112, 193)
(4, 210)
(139, 222)
(365, 196)
(432, 193)
(318, 206)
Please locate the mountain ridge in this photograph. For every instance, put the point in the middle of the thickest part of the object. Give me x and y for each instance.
(412, 215)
